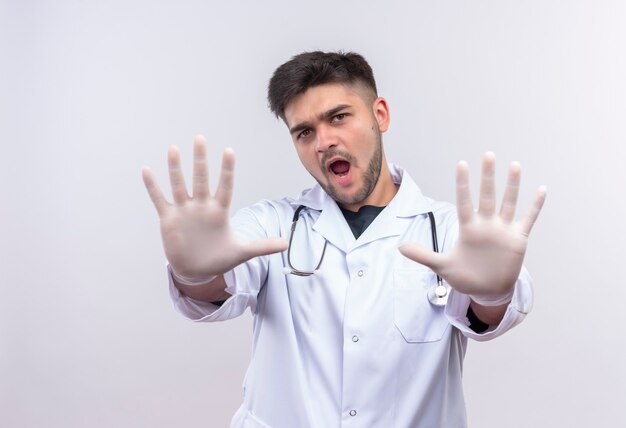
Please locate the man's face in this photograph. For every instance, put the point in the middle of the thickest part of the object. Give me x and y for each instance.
(336, 130)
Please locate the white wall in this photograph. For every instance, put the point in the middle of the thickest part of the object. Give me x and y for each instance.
(90, 91)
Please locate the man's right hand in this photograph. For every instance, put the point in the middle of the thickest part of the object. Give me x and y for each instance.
(197, 238)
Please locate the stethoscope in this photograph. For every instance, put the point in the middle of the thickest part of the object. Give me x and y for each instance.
(437, 294)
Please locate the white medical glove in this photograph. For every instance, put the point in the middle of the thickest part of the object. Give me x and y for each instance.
(487, 258)
(197, 238)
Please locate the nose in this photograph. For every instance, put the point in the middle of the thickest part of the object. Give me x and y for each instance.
(325, 139)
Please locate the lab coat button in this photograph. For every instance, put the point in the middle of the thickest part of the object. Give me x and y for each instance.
(355, 338)
(352, 412)
(360, 273)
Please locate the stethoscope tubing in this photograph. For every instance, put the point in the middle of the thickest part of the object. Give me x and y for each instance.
(437, 295)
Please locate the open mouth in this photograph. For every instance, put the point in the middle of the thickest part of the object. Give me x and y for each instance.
(339, 167)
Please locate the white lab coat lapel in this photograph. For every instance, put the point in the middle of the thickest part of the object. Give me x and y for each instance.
(385, 225)
(333, 226)
(407, 203)
(330, 224)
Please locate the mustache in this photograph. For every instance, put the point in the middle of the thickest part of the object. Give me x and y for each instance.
(336, 152)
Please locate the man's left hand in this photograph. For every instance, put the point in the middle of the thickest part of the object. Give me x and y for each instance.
(488, 256)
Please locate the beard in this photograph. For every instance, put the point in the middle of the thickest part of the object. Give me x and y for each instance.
(370, 176)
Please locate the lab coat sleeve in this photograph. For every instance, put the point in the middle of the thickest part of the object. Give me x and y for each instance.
(243, 282)
(199, 310)
(521, 304)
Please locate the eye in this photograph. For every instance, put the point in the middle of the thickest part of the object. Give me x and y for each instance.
(339, 117)
(304, 134)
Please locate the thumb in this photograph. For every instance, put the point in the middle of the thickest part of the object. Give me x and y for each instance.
(262, 247)
(422, 255)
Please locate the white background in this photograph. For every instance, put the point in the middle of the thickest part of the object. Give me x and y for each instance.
(90, 91)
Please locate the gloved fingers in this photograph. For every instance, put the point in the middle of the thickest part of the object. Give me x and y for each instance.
(200, 169)
(487, 198)
(422, 255)
(509, 200)
(224, 192)
(177, 179)
(156, 195)
(465, 209)
(533, 212)
(262, 247)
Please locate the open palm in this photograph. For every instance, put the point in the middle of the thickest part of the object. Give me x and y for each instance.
(488, 256)
(197, 238)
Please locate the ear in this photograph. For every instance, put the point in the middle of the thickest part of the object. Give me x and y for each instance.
(381, 113)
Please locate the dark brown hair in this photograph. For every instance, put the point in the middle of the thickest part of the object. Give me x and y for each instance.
(310, 69)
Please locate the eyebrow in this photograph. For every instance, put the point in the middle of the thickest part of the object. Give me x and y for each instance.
(322, 116)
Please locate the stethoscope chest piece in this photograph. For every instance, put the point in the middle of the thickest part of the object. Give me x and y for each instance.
(438, 295)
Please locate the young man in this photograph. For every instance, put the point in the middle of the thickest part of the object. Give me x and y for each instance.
(351, 327)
